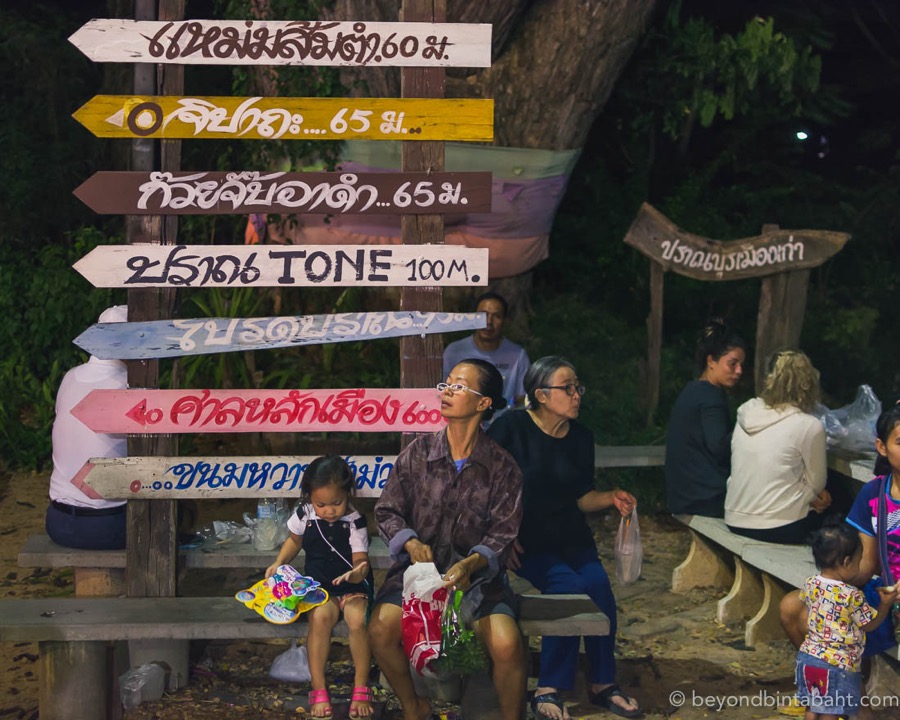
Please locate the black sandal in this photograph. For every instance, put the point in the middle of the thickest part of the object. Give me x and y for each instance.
(551, 698)
(604, 699)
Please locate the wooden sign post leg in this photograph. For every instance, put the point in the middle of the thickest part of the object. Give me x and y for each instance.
(421, 358)
(150, 566)
(654, 341)
(779, 320)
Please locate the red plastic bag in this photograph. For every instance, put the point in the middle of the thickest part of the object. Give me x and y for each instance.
(424, 600)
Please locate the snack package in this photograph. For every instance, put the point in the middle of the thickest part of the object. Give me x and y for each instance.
(284, 597)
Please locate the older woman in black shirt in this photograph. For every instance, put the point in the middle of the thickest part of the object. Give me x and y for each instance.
(558, 551)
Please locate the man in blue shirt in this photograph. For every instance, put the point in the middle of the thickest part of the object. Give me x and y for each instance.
(489, 344)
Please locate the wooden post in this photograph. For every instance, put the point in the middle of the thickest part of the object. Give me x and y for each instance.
(150, 560)
(654, 340)
(779, 320)
(421, 358)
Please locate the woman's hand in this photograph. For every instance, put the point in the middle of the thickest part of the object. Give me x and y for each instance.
(822, 502)
(625, 502)
(270, 571)
(353, 576)
(459, 576)
(418, 551)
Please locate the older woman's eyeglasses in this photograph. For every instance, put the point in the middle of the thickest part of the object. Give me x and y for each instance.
(457, 388)
(570, 389)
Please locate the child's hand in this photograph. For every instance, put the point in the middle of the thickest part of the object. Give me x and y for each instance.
(270, 571)
(356, 575)
(889, 594)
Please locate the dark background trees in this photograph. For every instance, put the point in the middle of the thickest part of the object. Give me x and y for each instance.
(702, 122)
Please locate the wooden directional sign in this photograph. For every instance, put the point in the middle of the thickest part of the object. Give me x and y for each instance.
(700, 258)
(149, 265)
(217, 411)
(233, 193)
(284, 118)
(177, 338)
(177, 478)
(255, 42)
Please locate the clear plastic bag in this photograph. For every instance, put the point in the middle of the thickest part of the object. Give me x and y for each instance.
(461, 651)
(852, 427)
(292, 665)
(629, 550)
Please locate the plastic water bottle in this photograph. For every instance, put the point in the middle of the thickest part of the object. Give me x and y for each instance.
(266, 529)
(265, 508)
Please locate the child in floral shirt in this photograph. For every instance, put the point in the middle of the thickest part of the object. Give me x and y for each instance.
(828, 663)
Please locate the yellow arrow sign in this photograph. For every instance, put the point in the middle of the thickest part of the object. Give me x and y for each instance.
(278, 118)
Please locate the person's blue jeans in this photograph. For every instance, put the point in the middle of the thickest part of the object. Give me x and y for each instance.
(101, 532)
(574, 572)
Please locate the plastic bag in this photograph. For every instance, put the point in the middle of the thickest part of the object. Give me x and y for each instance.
(629, 551)
(424, 599)
(852, 427)
(142, 684)
(292, 665)
(461, 650)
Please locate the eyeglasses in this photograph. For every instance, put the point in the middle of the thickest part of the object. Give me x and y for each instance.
(457, 388)
(570, 389)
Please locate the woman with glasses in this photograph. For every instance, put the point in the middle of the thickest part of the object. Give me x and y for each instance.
(454, 498)
(555, 550)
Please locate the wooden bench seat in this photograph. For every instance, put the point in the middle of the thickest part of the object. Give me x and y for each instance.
(72, 636)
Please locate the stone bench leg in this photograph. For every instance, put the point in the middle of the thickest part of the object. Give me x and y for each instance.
(703, 567)
(72, 680)
(99, 582)
(766, 624)
(744, 598)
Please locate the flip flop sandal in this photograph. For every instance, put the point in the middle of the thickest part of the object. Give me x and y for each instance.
(604, 699)
(361, 694)
(551, 698)
(320, 696)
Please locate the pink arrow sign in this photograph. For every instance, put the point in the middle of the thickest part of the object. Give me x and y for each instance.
(208, 411)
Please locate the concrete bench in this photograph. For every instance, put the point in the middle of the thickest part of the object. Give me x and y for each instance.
(72, 635)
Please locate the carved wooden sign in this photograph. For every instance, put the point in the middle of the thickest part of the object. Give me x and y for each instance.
(255, 42)
(282, 118)
(176, 478)
(218, 411)
(178, 338)
(150, 265)
(700, 258)
(234, 193)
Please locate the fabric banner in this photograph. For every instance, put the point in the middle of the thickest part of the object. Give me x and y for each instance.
(527, 188)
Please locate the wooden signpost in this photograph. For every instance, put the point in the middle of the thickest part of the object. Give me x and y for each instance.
(782, 259)
(219, 411)
(284, 118)
(291, 42)
(218, 193)
(179, 338)
(181, 478)
(150, 265)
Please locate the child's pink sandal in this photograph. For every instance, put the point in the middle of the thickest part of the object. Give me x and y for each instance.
(320, 697)
(361, 695)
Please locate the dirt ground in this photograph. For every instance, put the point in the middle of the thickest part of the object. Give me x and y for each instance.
(672, 654)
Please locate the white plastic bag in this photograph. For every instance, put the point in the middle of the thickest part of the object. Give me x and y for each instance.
(292, 665)
(852, 427)
(424, 599)
(629, 551)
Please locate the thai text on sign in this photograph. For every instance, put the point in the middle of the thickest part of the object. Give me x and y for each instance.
(216, 411)
(203, 193)
(177, 338)
(298, 42)
(284, 118)
(153, 478)
(149, 265)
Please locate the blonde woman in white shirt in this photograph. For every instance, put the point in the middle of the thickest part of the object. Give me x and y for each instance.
(776, 491)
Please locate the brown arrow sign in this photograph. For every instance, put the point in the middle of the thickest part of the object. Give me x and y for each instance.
(237, 193)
